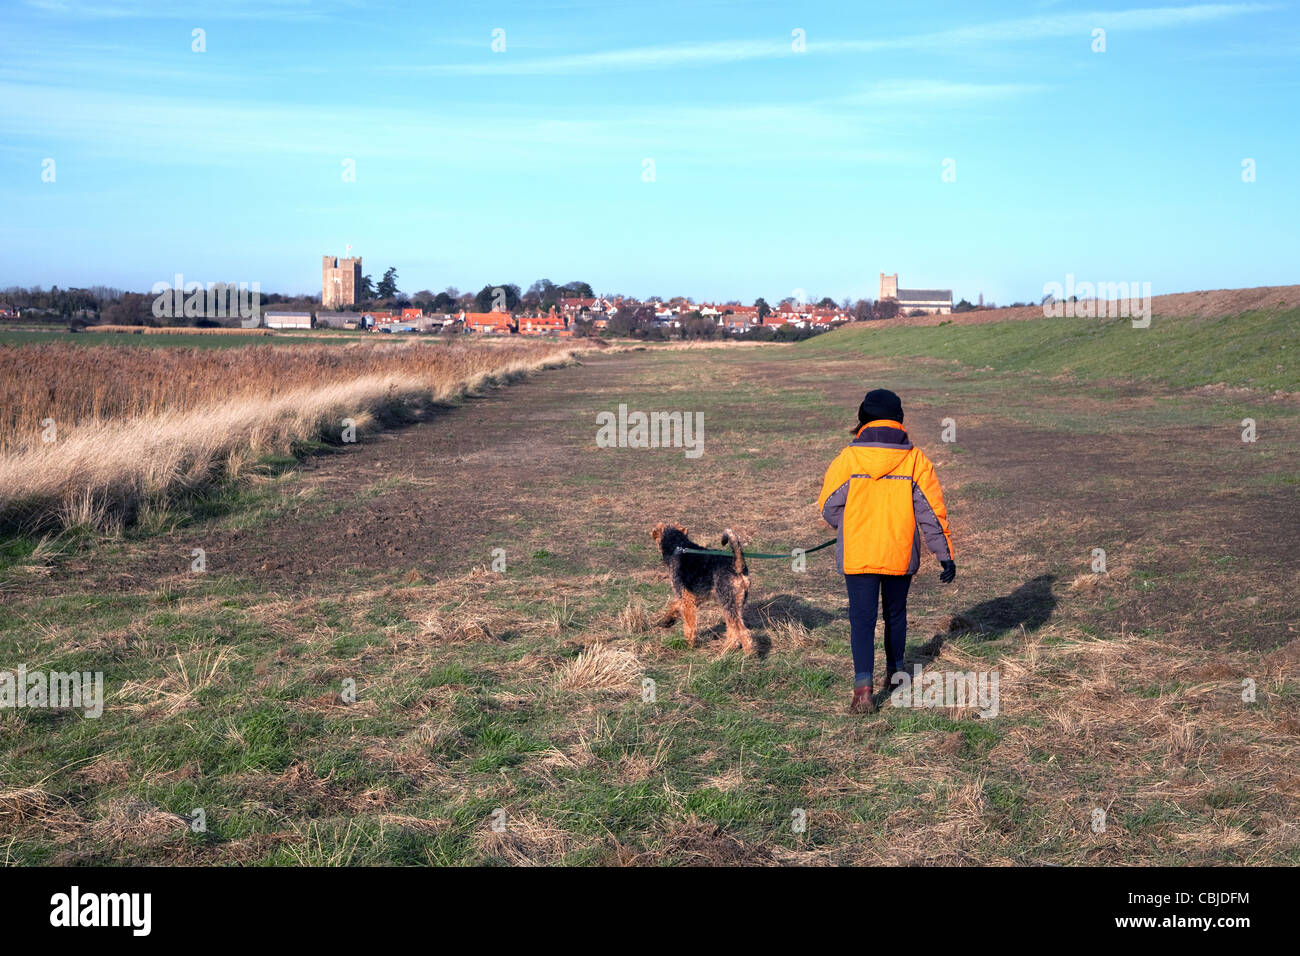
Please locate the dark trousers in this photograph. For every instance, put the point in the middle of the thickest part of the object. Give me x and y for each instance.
(865, 591)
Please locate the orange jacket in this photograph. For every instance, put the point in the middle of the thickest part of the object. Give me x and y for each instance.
(882, 495)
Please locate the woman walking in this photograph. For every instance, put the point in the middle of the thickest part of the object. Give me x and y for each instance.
(881, 495)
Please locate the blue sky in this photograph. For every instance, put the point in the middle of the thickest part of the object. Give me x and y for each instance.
(775, 170)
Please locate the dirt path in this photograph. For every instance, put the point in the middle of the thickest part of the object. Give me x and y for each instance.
(417, 497)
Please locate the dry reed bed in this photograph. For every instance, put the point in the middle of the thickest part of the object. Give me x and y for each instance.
(140, 427)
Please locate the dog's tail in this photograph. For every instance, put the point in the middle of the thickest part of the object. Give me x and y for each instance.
(729, 537)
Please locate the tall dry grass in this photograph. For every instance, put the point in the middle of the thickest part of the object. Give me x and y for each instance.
(146, 426)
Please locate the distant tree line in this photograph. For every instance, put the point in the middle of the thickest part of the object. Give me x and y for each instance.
(102, 304)
(60, 305)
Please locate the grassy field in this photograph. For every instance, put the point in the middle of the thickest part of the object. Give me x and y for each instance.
(517, 694)
(1254, 350)
(95, 436)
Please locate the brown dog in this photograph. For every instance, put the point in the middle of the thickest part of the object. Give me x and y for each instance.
(698, 576)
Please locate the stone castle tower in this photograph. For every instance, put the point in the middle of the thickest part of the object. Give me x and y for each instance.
(340, 279)
(888, 286)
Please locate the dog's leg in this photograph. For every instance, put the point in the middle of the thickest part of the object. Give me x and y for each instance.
(732, 599)
(689, 617)
(671, 613)
(729, 618)
(746, 639)
(737, 634)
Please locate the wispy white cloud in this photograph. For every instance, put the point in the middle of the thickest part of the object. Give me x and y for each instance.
(616, 60)
(152, 126)
(184, 130)
(178, 129)
(703, 54)
(284, 10)
(1057, 25)
(99, 64)
(922, 92)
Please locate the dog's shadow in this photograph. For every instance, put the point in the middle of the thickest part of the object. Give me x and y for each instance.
(760, 617)
(791, 607)
(781, 608)
(1029, 606)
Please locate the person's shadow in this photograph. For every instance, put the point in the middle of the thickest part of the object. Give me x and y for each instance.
(1029, 606)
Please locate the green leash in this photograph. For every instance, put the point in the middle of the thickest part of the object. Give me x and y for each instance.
(753, 554)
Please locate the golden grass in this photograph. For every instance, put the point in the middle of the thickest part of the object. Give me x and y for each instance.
(130, 821)
(134, 428)
(527, 840)
(23, 802)
(177, 690)
(633, 619)
(456, 629)
(600, 667)
(78, 386)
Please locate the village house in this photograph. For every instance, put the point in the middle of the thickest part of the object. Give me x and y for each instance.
(576, 308)
(738, 318)
(667, 317)
(491, 323)
(594, 308)
(414, 320)
(551, 323)
(825, 318)
(287, 320)
(336, 320)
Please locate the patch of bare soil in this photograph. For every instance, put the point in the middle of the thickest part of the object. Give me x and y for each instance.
(435, 496)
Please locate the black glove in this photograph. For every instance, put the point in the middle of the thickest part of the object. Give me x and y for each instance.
(949, 572)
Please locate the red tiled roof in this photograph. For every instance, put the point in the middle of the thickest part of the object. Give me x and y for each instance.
(488, 318)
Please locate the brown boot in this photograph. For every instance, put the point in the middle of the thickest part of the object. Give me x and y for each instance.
(862, 702)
